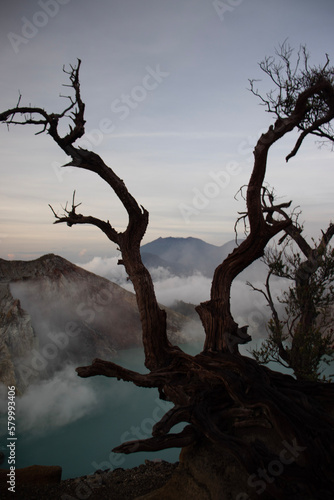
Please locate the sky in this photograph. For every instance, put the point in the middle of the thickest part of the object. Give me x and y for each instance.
(168, 107)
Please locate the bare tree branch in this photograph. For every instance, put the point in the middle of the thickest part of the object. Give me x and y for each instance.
(156, 443)
(303, 91)
(218, 392)
(50, 121)
(153, 318)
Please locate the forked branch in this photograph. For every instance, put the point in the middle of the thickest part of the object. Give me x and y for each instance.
(31, 115)
(299, 89)
(153, 318)
(217, 392)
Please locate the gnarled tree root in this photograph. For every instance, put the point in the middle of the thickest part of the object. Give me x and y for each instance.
(248, 411)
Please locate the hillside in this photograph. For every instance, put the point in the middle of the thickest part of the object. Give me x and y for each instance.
(187, 256)
(53, 312)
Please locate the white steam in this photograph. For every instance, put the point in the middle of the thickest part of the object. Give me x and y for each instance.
(168, 287)
(55, 403)
(106, 267)
(248, 307)
(192, 289)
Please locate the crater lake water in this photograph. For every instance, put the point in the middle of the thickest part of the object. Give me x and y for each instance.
(58, 427)
(75, 422)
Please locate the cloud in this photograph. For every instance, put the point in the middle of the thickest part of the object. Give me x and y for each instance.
(62, 400)
(168, 287)
(250, 307)
(106, 267)
(56, 402)
(66, 398)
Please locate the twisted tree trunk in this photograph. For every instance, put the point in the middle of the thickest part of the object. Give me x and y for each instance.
(229, 402)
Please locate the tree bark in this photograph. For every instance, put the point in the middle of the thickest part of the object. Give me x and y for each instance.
(217, 391)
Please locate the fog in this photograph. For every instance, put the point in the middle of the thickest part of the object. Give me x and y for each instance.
(95, 319)
(58, 335)
(63, 399)
(51, 405)
(106, 267)
(55, 402)
(75, 320)
(75, 422)
(248, 307)
(168, 287)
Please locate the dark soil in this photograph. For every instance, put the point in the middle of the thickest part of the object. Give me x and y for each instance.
(120, 484)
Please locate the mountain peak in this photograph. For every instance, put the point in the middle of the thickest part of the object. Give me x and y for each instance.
(46, 265)
(192, 253)
(50, 304)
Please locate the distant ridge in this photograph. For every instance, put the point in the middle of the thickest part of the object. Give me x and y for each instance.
(47, 265)
(185, 256)
(53, 312)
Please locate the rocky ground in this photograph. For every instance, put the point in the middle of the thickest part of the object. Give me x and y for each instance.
(120, 484)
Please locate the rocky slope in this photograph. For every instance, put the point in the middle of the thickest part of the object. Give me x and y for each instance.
(120, 484)
(17, 336)
(52, 312)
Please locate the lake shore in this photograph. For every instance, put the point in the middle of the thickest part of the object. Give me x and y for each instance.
(120, 484)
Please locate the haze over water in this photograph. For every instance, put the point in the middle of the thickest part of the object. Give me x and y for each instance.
(75, 422)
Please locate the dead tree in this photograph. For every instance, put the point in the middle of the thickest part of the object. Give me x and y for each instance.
(217, 392)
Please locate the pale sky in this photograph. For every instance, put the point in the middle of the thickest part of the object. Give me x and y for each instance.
(167, 106)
